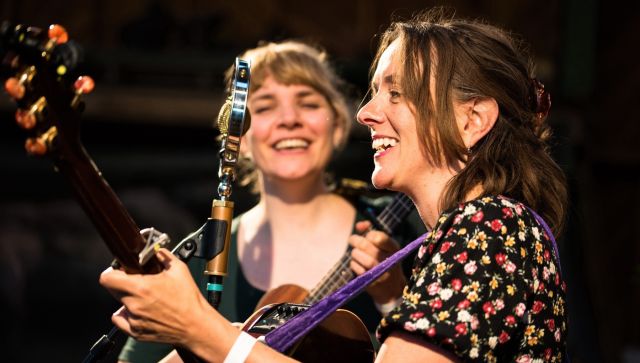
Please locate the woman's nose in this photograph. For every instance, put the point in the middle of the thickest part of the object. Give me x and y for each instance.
(369, 114)
(289, 116)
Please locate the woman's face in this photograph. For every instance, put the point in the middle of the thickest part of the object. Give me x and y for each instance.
(398, 158)
(292, 131)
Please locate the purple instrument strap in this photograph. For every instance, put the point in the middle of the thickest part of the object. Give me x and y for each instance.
(288, 334)
(550, 235)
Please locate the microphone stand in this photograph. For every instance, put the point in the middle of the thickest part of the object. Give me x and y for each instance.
(212, 240)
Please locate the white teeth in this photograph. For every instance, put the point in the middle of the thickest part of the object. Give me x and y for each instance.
(291, 144)
(383, 143)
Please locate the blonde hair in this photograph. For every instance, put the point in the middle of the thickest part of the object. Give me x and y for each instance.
(294, 62)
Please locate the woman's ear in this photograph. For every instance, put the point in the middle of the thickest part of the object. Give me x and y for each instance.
(476, 118)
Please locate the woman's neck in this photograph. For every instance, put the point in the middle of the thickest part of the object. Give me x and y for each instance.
(293, 201)
(428, 196)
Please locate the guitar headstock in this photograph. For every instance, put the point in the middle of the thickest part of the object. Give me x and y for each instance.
(40, 71)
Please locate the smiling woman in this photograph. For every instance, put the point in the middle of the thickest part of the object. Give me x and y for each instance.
(299, 229)
(293, 81)
(294, 131)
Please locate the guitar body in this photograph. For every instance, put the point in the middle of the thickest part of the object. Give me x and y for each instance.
(342, 337)
(288, 293)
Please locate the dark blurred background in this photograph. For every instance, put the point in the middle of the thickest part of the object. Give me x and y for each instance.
(158, 67)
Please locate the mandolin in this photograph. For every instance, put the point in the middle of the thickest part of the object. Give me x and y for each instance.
(387, 221)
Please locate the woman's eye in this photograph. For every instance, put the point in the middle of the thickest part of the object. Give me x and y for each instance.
(394, 94)
(261, 109)
(311, 105)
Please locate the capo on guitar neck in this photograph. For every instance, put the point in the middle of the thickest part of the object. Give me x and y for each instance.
(154, 240)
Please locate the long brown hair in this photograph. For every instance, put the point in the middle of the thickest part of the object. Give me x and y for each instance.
(471, 59)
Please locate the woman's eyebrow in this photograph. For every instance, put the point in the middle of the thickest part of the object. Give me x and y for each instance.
(305, 93)
(263, 97)
(388, 79)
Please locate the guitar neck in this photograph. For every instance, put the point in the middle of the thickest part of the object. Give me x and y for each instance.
(102, 205)
(341, 273)
(104, 208)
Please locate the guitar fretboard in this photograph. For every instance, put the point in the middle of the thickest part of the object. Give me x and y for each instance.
(341, 273)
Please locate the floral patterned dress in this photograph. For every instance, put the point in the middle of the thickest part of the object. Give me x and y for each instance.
(486, 286)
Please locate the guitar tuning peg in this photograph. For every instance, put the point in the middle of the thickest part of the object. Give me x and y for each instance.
(15, 86)
(39, 146)
(26, 119)
(58, 34)
(82, 85)
(35, 146)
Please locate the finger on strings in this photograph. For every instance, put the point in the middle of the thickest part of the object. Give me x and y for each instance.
(118, 281)
(365, 259)
(357, 241)
(363, 226)
(382, 241)
(166, 257)
(357, 268)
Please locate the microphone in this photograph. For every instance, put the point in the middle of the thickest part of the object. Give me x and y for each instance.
(233, 122)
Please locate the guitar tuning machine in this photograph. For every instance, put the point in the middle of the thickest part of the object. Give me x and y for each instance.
(16, 86)
(57, 35)
(39, 146)
(82, 85)
(27, 119)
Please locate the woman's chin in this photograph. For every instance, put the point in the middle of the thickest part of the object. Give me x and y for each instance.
(379, 181)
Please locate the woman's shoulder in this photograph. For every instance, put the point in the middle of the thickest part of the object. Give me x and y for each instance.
(485, 209)
(492, 215)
